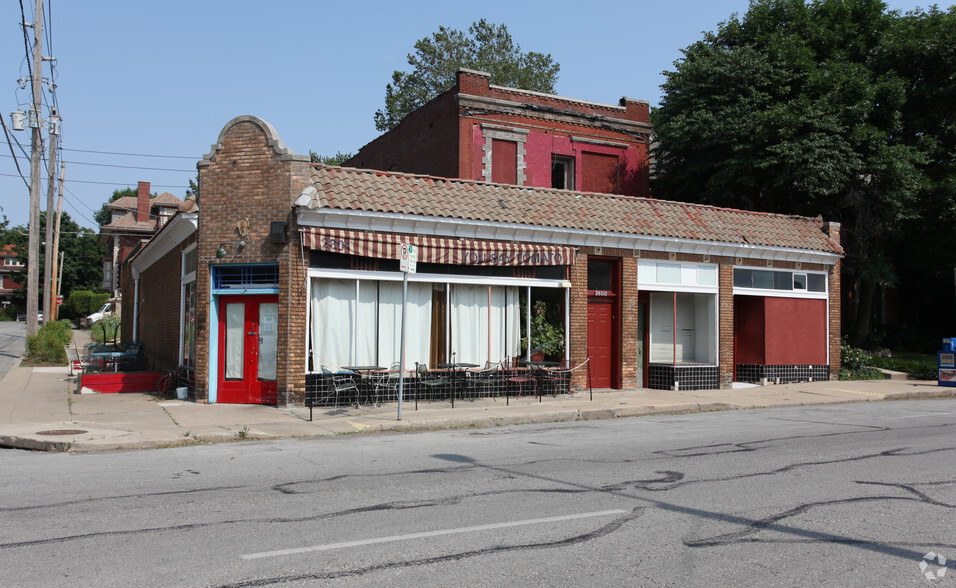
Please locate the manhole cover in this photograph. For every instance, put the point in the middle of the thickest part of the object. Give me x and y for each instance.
(62, 432)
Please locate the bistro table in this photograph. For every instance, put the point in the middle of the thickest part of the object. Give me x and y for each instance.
(457, 372)
(365, 381)
(540, 372)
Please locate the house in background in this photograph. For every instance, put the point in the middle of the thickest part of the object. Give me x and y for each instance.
(9, 264)
(478, 131)
(133, 221)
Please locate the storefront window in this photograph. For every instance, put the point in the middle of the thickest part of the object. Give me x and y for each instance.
(692, 339)
(358, 322)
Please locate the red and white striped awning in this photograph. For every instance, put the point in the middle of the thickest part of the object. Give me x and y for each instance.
(445, 250)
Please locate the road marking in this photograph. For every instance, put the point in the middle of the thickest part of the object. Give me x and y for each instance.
(359, 426)
(439, 533)
(918, 416)
(873, 394)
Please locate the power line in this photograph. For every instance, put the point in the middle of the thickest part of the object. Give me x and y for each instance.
(121, 166)
(132, 154)
(128, 184)
(12, 153)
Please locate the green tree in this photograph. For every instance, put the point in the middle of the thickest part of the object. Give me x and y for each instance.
(338, 159)
(796, 108)
(82, 262)
(486, 47)
(193, 189)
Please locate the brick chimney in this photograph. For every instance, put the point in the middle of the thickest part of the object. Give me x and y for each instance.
(142, 203)
(832, 229)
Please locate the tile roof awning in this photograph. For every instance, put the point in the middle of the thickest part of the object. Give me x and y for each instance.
(436, 249)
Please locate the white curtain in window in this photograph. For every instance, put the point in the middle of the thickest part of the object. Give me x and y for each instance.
(418, 320)
(366, 324)
(484, 323)
(333, 310)
(235, 337)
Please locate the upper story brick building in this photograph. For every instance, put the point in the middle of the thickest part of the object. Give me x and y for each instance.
(479, 131)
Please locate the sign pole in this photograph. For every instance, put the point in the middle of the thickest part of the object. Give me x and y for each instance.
(408, 263)
(401, 368)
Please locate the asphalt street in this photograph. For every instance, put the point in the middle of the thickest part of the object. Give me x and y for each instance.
(847, 495)
(13, 341)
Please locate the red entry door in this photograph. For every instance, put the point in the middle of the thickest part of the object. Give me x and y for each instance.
(601, 342)
(248, 349)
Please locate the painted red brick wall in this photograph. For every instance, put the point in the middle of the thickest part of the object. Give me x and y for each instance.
(796, 331)
(750, 329)
(441, 139)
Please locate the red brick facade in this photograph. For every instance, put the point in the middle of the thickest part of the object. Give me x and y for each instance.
(607, 146)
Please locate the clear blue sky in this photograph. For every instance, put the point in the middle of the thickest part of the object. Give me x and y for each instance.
(163, 78)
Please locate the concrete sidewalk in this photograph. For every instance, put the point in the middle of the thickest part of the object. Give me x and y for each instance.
(38, 410)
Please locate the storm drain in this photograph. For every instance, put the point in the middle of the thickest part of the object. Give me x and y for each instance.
(62, 432)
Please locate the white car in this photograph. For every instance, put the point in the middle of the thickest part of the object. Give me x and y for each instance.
(101, 313)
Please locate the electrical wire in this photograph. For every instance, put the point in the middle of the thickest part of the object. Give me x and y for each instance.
(26, 42)
(121, 166)
(128, 184)
(133, 154)
(12, 153)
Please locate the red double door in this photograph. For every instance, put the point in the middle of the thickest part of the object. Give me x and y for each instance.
(248, 349)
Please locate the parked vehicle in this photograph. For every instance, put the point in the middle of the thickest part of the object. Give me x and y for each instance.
(100, 314)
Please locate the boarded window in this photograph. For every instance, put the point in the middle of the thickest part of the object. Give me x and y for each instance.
(600, 173)
(504, 162)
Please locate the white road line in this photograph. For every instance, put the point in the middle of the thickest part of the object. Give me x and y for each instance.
(918, 416)
(359, 542)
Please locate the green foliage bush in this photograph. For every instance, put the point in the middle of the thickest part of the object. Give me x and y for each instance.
(97, 301)
(79, 302)
(917, 369)
(49, 342)
(106, 329)
(855, 364)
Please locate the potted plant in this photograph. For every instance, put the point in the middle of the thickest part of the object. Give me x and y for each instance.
(547, 336)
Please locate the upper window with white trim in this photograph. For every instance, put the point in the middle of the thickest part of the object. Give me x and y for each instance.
(782, 280)
(676, 276)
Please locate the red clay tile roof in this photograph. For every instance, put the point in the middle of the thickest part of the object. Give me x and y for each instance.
(390, 192)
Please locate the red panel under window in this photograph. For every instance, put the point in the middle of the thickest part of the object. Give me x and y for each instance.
(504, 162)
(796, 331)
(600, 173)
(749, 329)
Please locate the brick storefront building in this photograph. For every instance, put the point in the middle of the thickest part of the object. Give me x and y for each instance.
(288, 268)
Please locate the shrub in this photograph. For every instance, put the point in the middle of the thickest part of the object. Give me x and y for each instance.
(917, 369)
(97, 301)
(79, 301)
(49, 342)
(106, 329)
(855, 364)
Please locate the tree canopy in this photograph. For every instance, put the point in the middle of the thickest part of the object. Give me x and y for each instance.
(338, 159)
(486, 47)
(82, 263)
(832, 107)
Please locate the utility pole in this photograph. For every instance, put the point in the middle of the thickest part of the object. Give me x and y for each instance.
(55, 290)
(33, 257)
(49, 308)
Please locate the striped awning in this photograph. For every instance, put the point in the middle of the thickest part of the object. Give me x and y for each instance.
(436, 249)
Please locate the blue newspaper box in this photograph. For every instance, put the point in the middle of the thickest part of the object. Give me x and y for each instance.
(946, 363)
